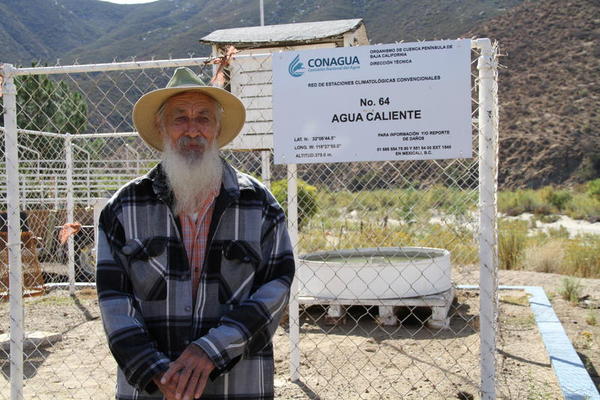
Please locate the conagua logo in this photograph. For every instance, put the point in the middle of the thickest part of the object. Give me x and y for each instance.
(296, 67)
(332, 61)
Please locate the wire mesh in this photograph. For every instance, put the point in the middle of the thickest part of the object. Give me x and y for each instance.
(378, 246)
(4, 352)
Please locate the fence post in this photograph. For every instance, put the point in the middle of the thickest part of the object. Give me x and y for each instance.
(14, 233)
(294, 315)
(70, 211)
(488, 161)
(266, 168)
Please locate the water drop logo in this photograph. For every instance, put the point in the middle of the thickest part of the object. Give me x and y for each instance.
(296, 67)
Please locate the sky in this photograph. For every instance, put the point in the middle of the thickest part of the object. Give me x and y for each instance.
(130, 1)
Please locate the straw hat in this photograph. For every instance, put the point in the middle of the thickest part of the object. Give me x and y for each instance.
(184, 80)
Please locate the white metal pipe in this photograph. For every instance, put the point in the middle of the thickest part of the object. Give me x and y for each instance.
(56, 199)
(36, 133)
(14, 233)
(266, 167)
(487, 218)
(70, 211)
(87, 170)
(104, 135)
(294, 314)
(262, 13)
(115, 66)
(78, 136)
(120, 66)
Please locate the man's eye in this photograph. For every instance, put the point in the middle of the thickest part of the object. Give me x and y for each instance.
(181, 119)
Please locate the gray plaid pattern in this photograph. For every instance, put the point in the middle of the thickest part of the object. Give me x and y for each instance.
(144, 286)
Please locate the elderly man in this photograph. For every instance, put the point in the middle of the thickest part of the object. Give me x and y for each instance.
(194, 260)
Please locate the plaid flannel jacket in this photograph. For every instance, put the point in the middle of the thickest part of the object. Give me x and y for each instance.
(144, 286)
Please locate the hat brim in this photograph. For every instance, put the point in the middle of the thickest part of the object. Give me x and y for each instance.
(144, 113)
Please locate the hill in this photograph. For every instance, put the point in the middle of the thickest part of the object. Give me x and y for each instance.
(549, 92)
(43, 30)
(95, 31)
(172, 29)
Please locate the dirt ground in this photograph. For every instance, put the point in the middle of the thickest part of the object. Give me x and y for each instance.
(354, 359)
(581, 321)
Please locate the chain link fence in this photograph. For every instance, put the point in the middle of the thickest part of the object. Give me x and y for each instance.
(379, 245)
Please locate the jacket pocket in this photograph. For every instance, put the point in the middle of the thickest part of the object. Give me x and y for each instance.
(147, 267)
(239, 263)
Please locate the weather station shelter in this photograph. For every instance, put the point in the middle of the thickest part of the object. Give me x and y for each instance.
(250, 76)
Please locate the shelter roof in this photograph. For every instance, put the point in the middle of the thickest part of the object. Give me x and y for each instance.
(305, 32)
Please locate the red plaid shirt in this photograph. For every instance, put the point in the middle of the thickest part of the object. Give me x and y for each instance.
(194, 228)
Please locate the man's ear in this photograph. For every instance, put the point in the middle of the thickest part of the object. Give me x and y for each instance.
(159, 126)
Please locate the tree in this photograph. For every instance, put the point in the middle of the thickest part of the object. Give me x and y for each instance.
(49, 106)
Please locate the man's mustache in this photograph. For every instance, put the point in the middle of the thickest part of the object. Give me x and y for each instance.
(185, 141)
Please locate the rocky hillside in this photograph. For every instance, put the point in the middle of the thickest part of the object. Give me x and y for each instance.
(549, 90)
(43, 30)
(549, 79)
(96, 31)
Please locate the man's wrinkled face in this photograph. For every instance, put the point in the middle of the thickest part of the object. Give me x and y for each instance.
(190, 123)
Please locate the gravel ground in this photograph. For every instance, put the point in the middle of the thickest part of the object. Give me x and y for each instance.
(353, 359)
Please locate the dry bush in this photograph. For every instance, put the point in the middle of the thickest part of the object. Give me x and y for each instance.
(544, 257)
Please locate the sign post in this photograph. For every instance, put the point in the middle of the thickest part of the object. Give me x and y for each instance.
(406, 101)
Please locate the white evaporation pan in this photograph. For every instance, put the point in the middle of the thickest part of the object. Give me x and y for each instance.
(374, 273)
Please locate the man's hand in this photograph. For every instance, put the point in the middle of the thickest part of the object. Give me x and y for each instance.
(168, 390)
(189, 373)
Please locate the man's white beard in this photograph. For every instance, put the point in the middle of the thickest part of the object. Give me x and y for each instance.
(192, 178)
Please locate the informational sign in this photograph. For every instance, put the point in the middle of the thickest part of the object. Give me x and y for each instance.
(405, 101)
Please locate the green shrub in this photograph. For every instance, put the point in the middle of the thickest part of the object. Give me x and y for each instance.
(338, 201)
(458, 240)
(409, 205)
(307, 199)
(593, 188)
(512, 237)
(519, 202)
(548, 201)
(570, 289)
(449, 200)
(556, 198)
(584, 206)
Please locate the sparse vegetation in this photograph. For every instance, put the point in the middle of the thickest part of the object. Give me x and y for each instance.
(307, 202)
(585, 340)
(544, 257)
(512, 237)
(593, 188)
(516, 300)
(591, 318)
(570, 289)
(546, 203)
(556, 198)
(446, 218)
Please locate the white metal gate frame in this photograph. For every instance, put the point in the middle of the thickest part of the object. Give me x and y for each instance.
(488, 161)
